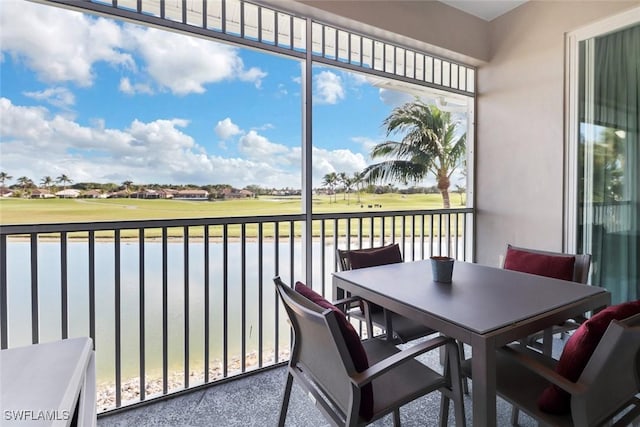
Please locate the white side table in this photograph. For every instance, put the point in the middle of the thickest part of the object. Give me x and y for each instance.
(50, 384)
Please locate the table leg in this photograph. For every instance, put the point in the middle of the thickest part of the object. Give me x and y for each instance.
(547, 342)
(483, 365)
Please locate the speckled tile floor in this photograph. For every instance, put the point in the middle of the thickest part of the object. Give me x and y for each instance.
(255, 401)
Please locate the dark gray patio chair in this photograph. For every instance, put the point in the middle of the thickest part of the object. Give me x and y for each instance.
(404, 329)
(355, 382)
(580, 274)
(606, 390)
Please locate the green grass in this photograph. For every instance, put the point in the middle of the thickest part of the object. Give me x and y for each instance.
(43, 211)
(35, 211)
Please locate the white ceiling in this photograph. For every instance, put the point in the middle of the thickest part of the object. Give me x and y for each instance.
(485, 9)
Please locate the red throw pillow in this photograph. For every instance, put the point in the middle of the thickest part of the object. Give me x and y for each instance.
(372, 257)
(354, 345)
(375, 256)
(555, 266)
(577, 352)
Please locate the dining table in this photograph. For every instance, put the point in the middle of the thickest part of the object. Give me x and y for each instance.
(484, 307)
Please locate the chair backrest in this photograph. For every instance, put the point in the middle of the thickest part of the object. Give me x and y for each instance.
(374, 256)
(611, 377)
(580, 267)
(319, 349)
(343, 259)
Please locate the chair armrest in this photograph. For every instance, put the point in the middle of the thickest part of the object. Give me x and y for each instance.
(383, 366)
(543, 370)
(344, 302)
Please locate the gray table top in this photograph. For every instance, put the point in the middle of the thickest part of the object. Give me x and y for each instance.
(480, 298)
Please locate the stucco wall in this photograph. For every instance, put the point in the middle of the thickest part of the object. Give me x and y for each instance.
(520, 134)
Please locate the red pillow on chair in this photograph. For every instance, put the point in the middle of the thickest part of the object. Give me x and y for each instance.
(354, 345)
(577, 352)
(373, 257)
(555, 266)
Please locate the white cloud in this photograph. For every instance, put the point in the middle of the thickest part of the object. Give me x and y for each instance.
(37, 143)
(225, 129)
(329, 88)
(60, 97)
(133, 88)
(63, 46)
(185, 64)
(256, 146)
(59, 45)
(395, 98)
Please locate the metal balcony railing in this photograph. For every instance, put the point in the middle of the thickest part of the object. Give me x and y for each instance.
(175, 304)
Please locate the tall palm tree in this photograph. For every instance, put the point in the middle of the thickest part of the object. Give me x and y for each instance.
(330, 180)
(4, 177)
(429, 145)
(357, 180)
(64, 180)
(25, 183)
(46, 181)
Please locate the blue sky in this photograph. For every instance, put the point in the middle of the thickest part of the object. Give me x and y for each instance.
(104, 101)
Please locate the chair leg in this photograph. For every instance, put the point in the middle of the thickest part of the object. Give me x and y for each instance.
(444, 410)
(285, 400)
(515, 414)
(465, 380)
(452, 367)
(396, 417)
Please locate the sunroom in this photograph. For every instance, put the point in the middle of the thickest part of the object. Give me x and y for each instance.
(545, 96)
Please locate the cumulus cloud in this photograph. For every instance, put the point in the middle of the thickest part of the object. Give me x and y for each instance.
(186, 64)
(256, 146)
(225, 129)
(59, 45)
(395, 98)
(64, 46)
(329, 88)
(57, 96)
(38, 143)
(129, 88)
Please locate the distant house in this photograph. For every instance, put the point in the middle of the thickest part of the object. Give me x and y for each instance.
(93, 194)
(69, 193)
(167, 193)
(40, 193)
(146, 194)
(229, 193)
(191, 195)
(6, 192)
(122, 194)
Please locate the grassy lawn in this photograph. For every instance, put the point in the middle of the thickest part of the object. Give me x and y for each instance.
(36, 211)
(41, 211)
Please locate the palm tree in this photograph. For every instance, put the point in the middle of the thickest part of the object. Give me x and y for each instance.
(25, 183)
(357, 180)
(64, 180)
(429, 145)
(46, 181)
(330, 180)
(126, 185)
(4, 177)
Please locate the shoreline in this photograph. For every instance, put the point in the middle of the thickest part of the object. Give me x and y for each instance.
(130, 388)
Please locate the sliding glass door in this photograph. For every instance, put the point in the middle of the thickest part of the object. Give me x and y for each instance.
(608, 159)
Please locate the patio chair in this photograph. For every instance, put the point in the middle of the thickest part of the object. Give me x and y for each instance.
(605, 390)
(573, 267)
(355, 382)
(403, 329)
